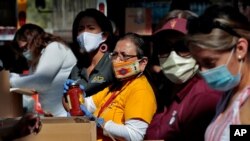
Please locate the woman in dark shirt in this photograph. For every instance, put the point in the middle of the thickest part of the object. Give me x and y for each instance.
(92, 40)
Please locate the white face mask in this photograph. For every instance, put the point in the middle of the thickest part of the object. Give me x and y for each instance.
(178, 69)
(89, 41)
(28, 55)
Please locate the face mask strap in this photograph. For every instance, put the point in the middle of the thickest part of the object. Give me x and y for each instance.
(240, 66)
(139, 60)
(231, 54)
(230, 59)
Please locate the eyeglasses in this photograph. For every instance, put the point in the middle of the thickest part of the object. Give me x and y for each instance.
(179, 47)
(202, 25)
(122, 56)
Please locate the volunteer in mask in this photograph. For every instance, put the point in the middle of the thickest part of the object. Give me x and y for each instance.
(51, 61)
(128, 105)
(191, 104)
(224, 65)
(92, 41)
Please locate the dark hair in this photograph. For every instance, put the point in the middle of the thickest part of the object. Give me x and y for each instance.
(37, 39)
(245, 3)
(100, 19)
(138, 41)
(27, 32)
(221, 24)
(208, 20)
(185, 14)
(12, 60)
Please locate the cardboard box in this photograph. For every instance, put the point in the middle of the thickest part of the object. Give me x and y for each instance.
(64, 129)
(10, 103)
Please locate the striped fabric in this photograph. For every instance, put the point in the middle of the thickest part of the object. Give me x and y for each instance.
(218, 130)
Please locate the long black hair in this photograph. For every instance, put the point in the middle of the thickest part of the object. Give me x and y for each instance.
(104, 24)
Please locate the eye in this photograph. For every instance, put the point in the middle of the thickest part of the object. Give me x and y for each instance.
(113, 55)
(80, 29)
(91, 27)
(208, 63)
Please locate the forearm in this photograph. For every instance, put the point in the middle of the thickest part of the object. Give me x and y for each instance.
(90, 105)
(33, 81)
(132, 130)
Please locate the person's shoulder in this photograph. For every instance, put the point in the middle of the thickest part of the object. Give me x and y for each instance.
(106, 57)
(199, 88)
(141, 82)
(140, 79)
(57, 43)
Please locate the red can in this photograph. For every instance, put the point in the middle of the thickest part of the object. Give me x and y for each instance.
(75, 98)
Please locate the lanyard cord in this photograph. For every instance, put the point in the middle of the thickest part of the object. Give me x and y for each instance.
(111, 98)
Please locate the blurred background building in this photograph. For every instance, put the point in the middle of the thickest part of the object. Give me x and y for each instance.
(56, 16)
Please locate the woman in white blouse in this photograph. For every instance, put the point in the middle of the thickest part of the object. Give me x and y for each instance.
(51, 61)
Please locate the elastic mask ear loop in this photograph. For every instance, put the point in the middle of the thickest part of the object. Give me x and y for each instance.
(139, 64)
(240, 66)
(230, 56)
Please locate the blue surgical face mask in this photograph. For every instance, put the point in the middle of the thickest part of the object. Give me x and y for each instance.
(220, 78)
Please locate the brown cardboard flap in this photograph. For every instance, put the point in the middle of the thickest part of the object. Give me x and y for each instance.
(55, 120)
(24, 91)
(10, 103)
(4, 82)
(64, 129)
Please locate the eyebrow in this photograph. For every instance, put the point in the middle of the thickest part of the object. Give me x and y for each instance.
(208, 59)
(121, 52)
(89, 25)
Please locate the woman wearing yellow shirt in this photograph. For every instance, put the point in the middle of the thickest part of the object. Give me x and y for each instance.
(127, 106)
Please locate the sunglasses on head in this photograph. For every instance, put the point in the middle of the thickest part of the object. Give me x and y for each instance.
(199, 25)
